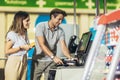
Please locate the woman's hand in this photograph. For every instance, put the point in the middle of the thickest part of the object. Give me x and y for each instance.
(25, 47)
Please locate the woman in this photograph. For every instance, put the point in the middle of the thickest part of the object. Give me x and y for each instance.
(17, 45)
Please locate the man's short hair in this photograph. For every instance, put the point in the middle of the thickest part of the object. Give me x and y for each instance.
(56, 11)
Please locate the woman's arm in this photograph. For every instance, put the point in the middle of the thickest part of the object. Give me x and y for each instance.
(9, 49)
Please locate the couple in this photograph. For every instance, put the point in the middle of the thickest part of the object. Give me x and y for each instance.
(47, 35)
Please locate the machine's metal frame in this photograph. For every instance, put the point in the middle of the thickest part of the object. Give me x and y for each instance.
(102, 24)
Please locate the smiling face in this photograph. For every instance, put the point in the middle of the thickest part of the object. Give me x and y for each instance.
(56, 21)
(20, 22)
(26, 22)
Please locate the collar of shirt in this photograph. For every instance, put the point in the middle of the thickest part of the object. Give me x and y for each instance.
(56, 28)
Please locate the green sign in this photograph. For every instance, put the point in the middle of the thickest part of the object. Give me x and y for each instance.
(83, 4)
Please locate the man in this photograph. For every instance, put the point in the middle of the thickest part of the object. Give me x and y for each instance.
(48, 34)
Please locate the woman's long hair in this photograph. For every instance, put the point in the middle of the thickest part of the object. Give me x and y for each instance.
(17, 24)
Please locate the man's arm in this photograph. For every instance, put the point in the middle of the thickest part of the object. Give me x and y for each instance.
(46, 50)
(65, 49)
(43, 46)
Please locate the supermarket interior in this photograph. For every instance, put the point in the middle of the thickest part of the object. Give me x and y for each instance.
(92, 34)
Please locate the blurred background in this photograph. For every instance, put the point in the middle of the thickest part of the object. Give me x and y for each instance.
(80, 13)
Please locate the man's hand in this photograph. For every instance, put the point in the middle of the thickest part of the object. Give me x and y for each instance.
(57, 60)
(71, 58)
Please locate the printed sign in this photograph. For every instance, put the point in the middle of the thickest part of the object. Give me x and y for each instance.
(84, 4)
